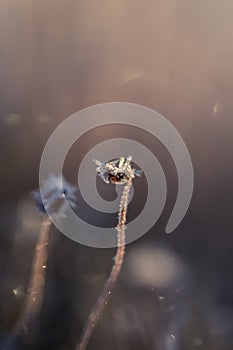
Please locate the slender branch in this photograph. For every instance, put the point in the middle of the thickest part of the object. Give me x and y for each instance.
(104, 297)
(35, 291)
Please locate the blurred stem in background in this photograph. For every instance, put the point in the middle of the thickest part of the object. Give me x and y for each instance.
(35, 291)
(56, 191)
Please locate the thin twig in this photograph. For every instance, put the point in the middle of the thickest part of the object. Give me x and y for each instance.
(104, 297)
(35, 291)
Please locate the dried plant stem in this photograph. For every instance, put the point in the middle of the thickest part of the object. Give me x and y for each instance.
(104, 297)
(35, 291)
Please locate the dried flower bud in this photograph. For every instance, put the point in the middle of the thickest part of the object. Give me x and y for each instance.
(55, 189)
(117, 171)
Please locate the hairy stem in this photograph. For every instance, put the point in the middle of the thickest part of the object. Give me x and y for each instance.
(104, 297)
(35, 291)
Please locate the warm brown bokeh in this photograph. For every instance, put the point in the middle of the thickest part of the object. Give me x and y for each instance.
(176, 56)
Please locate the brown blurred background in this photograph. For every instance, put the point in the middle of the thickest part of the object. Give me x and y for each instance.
(175, 56)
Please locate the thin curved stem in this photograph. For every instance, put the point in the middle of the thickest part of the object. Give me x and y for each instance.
(104, 297)
(35, 291)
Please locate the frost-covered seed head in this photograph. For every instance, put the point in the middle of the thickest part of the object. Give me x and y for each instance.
(117, 171)
(55, 188)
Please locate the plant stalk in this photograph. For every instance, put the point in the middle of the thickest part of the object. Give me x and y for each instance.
(104, 297)
(35, 291)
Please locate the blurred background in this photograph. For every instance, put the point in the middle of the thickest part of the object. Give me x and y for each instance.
(56, 57)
